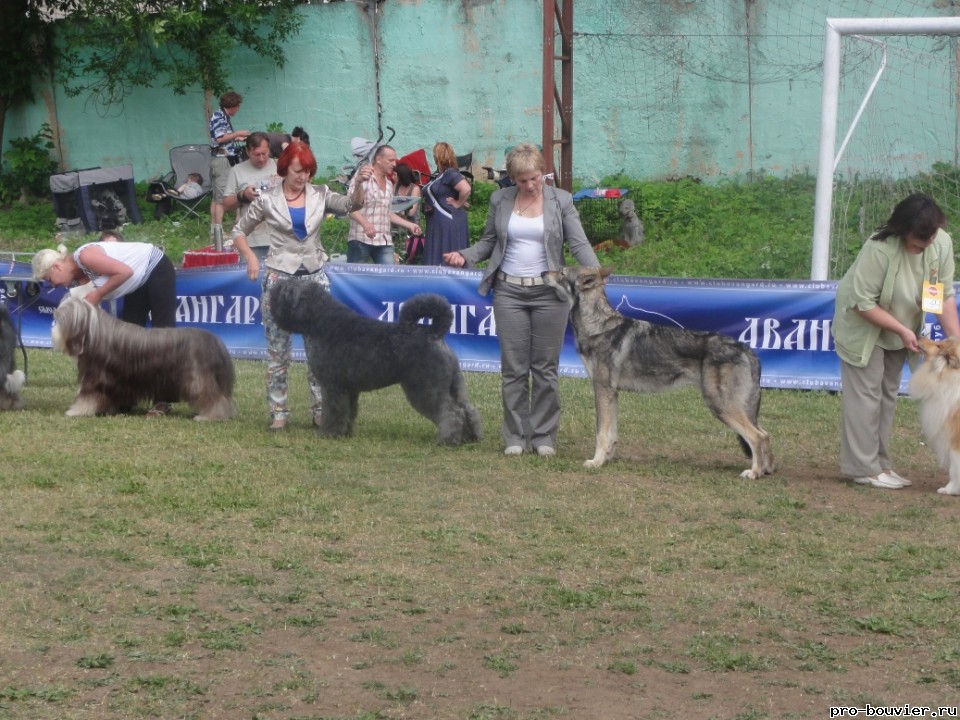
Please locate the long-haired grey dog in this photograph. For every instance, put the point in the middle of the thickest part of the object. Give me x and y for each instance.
(120, 364)
(622, 353)
(11, 379)
(348, 354)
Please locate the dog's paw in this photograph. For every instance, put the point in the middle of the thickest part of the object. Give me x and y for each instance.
(74, 412)
(749, 474)
(948, 490)
(594, 463)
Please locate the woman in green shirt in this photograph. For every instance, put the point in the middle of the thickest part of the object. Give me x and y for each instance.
(902, 272)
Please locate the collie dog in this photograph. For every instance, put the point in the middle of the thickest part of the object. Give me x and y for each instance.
(936, 384)
(119, 363)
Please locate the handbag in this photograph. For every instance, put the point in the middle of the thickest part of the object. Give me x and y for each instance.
(413, 248)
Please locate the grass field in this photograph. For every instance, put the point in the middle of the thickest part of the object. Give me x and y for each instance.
(173, 569)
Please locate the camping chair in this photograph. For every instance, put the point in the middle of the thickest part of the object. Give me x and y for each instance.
(465, 166)
(184, 159)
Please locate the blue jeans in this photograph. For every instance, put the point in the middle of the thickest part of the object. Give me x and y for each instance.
(358, 252)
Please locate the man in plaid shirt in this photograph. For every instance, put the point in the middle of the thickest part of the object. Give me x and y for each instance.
(369, 235)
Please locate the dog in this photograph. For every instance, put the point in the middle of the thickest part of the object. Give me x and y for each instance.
(936, 384)
(622, 353)
(119, 363)
(631, 232)
(348, 353)
(109, 210)
(11, 379)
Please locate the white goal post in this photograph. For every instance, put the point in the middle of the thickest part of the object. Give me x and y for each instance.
(836, 28)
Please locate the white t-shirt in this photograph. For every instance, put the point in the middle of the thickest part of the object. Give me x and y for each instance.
(140, 257)
(191, 190)
(241, 177)
(524, 255)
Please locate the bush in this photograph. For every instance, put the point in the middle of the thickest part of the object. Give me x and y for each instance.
(759, 229)
(28, 166)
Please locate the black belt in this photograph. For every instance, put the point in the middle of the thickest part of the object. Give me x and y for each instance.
(522, 281)
(301, 271)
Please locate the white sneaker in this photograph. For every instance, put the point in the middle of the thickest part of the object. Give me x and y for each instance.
(895, 476)
(546, 451)
(887, 482)
(513, 450)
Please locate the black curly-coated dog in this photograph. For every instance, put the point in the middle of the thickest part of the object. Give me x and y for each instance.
(349, 354)
(11, 379)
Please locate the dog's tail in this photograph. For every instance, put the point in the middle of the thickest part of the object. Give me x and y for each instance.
(427, 305)
(14, 382)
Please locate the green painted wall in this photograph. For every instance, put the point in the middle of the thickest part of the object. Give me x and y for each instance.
(709, 88)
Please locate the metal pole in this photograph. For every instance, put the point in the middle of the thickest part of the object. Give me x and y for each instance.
(546, 92)
(828, 138)
(566, 101)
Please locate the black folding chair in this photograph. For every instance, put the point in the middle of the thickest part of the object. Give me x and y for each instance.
(465, 165)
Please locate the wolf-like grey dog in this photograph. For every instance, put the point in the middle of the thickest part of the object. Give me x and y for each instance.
(349, 354)
(622, 353)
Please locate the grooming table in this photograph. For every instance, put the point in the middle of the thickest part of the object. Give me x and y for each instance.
(17, 283)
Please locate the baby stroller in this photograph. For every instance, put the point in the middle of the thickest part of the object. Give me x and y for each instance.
(363, 151)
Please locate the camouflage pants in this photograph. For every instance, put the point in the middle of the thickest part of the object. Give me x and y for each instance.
(279, 346)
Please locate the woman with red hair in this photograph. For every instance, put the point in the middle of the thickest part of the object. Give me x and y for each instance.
(291, 214)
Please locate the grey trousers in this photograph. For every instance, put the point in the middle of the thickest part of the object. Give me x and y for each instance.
(531, 322)
(869, 401)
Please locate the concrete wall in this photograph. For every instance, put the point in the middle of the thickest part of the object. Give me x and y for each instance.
(710, 88)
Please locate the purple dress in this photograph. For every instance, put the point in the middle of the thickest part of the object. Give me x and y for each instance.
(446, 226)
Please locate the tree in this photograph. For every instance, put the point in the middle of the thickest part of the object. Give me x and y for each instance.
(108, 47)
(25, 39)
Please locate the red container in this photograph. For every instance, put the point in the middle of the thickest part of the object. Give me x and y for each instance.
(208, 257)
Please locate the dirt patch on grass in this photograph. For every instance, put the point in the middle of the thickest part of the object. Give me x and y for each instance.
(185, 570)
(90, 634)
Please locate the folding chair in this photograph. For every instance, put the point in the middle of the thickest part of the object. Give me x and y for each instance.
(184, 160)
(465, 166)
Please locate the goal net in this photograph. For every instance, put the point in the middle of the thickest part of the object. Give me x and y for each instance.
(886, 143)
(719, 89)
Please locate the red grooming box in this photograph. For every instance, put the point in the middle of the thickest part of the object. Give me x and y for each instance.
(208, 257)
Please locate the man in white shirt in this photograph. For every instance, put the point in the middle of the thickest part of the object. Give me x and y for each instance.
(247, 179)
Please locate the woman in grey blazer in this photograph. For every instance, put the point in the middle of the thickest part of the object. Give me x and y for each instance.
(291, 213)
(526, 229)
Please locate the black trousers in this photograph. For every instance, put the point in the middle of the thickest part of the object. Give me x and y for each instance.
(156, 298)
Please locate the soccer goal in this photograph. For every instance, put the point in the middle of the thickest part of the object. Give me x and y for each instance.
(891, 84)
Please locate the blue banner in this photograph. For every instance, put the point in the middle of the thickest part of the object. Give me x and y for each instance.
(787, 323)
